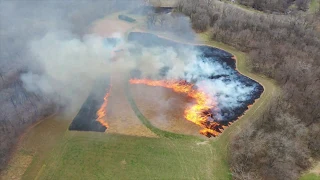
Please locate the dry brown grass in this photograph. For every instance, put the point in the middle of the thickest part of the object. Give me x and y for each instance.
(316, 169)
(120, 117)
(164, 108)
(19, 164)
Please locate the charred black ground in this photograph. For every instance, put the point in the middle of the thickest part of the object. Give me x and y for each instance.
(86, 119)
(210, 54)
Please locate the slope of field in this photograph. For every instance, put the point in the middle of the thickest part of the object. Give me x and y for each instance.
(35, 146)
(92, 155)
(310, 176)
(85, 156)
(128, 157)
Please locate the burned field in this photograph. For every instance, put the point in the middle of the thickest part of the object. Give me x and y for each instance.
(231, 91)
(219, 94)
(87, 118)
(164, 108)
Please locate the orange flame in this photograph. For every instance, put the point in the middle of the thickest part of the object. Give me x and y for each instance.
(197, 113)
(102, 112)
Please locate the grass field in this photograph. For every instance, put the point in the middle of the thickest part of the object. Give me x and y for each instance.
(128, 157)
(314, 6)
(310, 176)
(91, 155)
(313, 173)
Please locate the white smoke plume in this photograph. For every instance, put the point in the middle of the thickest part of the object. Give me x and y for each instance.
(70, 64)
(67, 63)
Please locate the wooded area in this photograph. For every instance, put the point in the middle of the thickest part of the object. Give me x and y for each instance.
(280, 142)
(279, 6)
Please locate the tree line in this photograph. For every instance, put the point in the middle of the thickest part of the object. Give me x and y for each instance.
(279, 143)
(279, 6)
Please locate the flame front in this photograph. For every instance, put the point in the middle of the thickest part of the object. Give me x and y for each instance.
(102, 112)
(197, 113)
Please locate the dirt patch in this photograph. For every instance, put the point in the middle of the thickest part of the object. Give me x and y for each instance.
(164, 108)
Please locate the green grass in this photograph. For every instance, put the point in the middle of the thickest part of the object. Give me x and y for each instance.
(129, 157)
(310, 176)
(314, 6)
(89, 155)
(111, 156)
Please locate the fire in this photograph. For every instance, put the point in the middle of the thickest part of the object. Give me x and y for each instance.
(102, 112)
(197, 113)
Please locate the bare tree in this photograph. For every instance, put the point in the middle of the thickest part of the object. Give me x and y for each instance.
(284, 47)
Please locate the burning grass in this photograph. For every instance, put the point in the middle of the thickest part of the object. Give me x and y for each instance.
(120, 116)
(96, 156)
(131, 157)
(92, 114)
(196, 113)
(230, 92)
(112, 113)
(163, 111)
(102, 112)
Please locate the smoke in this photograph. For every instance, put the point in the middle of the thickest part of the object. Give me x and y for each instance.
(227, 88)
(68, 64)
(26, 24)
(64, 55)
(212, 71)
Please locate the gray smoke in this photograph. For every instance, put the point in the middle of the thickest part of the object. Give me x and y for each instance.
(69, 63)
(64, 56)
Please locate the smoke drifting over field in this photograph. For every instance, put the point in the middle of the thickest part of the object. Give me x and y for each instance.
(69, 63)
(24, 24)
(65, 58)
(212, 71)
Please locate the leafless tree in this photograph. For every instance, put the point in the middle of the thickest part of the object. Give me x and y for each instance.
(284, 47)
